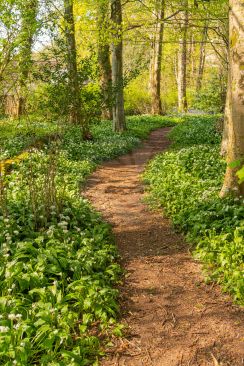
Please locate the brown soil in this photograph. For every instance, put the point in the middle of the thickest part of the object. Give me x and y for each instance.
(173, 317)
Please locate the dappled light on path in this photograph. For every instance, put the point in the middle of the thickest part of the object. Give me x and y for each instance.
(173, 317)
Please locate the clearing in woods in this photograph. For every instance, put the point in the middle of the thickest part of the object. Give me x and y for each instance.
(173, 317)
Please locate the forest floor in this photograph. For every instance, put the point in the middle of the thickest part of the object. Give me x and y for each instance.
(173, 317)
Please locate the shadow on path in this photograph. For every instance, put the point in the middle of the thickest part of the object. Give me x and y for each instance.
(173, 317)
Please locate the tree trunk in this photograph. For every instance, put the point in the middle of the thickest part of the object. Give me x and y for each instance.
(27, 32)
(235, 149)
(225, 136)
(202, 60)
(74, 88)
(119, 124)
(182, 62)
(104, 60)
(156, 60)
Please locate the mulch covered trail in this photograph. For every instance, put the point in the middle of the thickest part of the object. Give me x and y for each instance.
(173, 317)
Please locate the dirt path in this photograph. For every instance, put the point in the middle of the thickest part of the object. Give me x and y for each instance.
(173, 318)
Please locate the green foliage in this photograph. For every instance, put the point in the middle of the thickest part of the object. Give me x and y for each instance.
(240, 174)
(186, 181)
(211, 97)
(107, 144)
(19, 134)
(137, 98)
(196, 130)
(52, 96)
(58, 260)
(57, 268)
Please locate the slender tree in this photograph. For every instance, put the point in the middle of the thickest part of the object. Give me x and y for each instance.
(156, 59)
(235, 109)
(182, 60)
(119, 124)
(104, 58)
(74, 87)
(27, 32)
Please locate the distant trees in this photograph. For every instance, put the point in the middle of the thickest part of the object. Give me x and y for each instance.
(96, 50)
(202, 59)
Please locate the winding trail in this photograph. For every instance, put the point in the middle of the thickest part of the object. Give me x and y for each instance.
(173, 317)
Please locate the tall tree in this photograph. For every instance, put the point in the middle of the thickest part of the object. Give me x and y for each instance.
(74, 87)
(156, 59)
(28, 28)
(119, 124)
(235, 148)
(182, 59)
(104, 58)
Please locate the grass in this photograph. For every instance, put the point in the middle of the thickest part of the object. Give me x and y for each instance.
(186, 181)
(58, 260)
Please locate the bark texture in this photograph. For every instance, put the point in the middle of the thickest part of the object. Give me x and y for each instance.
(235, 148)
(119, 124)
(74, 87)
(156, 59)
(227, 116)
(182, 61)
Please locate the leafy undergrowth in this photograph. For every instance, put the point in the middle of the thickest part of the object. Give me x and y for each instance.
(58, 260)
(17, 135)
(186, 181)
(107, 144)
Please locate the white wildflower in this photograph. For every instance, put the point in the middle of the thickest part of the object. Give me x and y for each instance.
(4, 329)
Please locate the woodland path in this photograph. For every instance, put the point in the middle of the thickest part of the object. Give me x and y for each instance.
(173, 317)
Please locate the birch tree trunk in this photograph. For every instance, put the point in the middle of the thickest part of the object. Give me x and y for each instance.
(182, 62)
(27, 32)
(156, 60)
(119, 124)
(235, 148)
(74, 87)
(202, 60)
(104, 60)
